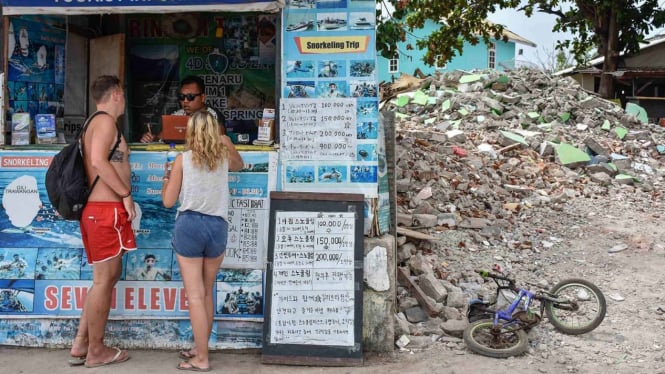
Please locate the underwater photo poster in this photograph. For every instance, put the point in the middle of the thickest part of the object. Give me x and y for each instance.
(328, 120)
(35, 67)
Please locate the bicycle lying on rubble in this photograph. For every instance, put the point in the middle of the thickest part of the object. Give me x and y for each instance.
(573, 306)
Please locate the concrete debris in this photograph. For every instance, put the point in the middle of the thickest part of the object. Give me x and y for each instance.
(616, 297)
(479, 156)
(403, 341)
(618, 248)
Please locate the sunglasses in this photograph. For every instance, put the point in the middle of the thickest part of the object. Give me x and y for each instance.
(189, 97)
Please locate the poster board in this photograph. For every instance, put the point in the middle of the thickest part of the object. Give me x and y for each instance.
(233, 60)
(324, 149)
(45, 269)
(314, 279)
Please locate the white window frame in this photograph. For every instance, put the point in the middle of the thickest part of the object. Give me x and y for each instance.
(393, 65)
(491, 56)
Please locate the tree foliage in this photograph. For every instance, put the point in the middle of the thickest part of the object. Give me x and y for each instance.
(460, 20)
(605, 24)
(610, 26)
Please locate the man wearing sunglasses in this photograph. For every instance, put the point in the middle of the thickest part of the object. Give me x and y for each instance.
(192, 99)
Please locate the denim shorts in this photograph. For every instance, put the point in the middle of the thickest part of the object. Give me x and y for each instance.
(199, 235)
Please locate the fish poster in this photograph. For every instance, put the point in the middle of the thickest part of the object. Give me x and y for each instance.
(36, 67)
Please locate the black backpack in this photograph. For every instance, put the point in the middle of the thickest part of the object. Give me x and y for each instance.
(66, 180)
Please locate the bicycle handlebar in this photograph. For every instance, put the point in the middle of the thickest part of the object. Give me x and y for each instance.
(488, 274)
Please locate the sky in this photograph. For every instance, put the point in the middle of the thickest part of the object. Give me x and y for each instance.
(537, 28)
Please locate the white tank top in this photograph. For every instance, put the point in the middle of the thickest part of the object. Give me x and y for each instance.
(202, 190)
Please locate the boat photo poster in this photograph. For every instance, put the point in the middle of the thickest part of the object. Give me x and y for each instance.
(330, 57)
(323, 44)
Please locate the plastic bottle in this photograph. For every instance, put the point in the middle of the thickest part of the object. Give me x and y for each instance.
(170, 156)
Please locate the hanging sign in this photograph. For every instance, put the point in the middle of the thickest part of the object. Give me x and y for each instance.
(23, 7)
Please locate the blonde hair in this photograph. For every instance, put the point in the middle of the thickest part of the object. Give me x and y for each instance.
(205, 141)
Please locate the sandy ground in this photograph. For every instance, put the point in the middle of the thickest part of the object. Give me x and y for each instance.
(33, 360)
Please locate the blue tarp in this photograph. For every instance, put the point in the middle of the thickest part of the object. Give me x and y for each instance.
(20, 7)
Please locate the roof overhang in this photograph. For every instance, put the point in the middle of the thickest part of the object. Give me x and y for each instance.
(513, 36)
(625, 74)
(598, 61)
(518, 39)
(78, 7)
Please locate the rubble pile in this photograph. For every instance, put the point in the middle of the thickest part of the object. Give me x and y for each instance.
(482, 159)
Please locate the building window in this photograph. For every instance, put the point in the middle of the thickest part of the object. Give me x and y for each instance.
(393, 65)
(436, 64)
(492, 56)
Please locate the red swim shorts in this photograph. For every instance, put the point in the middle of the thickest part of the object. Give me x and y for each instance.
(106, 231)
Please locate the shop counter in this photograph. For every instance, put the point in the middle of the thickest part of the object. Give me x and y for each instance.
(44, 274)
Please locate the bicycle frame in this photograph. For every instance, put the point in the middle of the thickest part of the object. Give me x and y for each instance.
(507, 314)
(522, 295)
(503, 332)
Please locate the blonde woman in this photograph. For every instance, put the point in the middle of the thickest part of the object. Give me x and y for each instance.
(199, 181)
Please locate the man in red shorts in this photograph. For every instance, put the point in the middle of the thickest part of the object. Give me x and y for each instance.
(105, 222)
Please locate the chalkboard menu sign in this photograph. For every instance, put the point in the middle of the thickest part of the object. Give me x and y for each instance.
(314, 279)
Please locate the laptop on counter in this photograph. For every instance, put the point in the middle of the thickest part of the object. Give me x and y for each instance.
(174, 128)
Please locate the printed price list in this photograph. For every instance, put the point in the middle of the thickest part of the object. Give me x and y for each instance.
(317, 129)
(313, 278)
(245, 248)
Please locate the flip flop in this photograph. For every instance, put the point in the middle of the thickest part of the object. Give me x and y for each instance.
(76, 361)
(185, 354)
(115, 360)
(191, 367)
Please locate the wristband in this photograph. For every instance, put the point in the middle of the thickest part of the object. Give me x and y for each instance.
(128, 194)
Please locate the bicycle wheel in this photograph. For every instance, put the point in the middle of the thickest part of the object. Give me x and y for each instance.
(580, 309)
(482, 338)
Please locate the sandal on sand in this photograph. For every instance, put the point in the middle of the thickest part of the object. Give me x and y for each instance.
(186, 354)
(115, 360)
(191, 367)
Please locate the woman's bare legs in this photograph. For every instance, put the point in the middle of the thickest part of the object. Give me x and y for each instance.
(209, 304)
(198, 276)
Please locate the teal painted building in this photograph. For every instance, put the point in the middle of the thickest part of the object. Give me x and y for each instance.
(500, 56)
